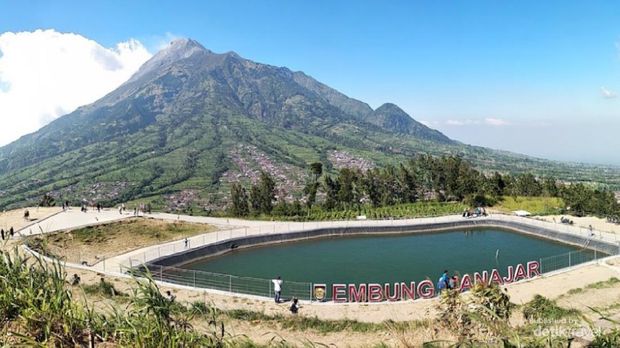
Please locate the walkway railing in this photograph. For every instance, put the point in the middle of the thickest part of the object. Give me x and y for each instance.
(171, 248)
(226, 282)
(573, 258)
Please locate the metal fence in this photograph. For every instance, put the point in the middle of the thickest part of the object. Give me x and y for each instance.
(573, 258)
(225, 282)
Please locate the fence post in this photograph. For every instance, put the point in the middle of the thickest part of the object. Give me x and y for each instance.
(569, 258)
(540, 265)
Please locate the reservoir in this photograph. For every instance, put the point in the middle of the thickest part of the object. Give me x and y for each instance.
(386, 258)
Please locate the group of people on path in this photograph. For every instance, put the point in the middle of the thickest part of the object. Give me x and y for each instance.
(142, 208)
(277, 289)
(447, 282)
(8, 234)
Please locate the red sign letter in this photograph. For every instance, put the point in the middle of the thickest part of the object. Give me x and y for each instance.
(426, 289)
(337, 291)
(375, 293)
(533, 269)
(407, 291)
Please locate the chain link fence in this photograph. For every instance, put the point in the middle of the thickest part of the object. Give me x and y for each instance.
(573, 258)
(223, 282)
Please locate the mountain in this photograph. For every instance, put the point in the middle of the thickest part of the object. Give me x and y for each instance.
(190, 121)
(389, 116)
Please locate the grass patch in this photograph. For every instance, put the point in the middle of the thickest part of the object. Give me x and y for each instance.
(534, 205)
(94, 243)
(301, 323)
(103, 288)
(609, 283)
(542, 308)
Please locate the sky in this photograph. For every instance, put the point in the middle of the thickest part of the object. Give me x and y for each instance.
(535, 77)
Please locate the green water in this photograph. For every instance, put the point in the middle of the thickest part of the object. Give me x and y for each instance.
(384, 259)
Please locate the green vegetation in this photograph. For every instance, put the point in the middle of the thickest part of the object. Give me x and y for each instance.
(37, 309)
(483, 317)
(301, 323)
(534, 205)
(543, 308)
(103, 288)
(397, 191)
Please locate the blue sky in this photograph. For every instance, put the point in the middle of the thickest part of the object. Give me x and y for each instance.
(537, 77)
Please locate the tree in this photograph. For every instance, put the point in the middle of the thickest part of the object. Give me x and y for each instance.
(311, 188)
(331, 188)
(239, 198)
(372, 187)
(316, 168)
(263, 194)
(347, 182)
(497, 185)
(47, 201)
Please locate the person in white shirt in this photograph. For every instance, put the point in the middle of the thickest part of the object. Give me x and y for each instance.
(277, 288)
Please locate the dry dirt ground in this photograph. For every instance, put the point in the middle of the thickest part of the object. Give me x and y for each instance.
(94, 243)
(15, 218)
(598, 224)
(421, 314)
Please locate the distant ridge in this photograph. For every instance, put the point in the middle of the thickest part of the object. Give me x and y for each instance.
(191, 120)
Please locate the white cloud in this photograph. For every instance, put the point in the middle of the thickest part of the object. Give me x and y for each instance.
(164, 41)
(45, 74)
(608, 94)
(489, 121)
(497, 122)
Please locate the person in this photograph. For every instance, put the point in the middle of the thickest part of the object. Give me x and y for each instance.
(186, 243)
(11, 232)
(2, 233)
(76, 279)
(445, 278)
(295, 306)
(453, 282)
(441, 285)
(277, 288)
(26, 215)
(98, 207)
(170, 296)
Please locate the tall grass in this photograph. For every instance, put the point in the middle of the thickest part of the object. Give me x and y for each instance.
(37, 309)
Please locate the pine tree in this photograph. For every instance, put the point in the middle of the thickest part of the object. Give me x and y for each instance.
(239, 198)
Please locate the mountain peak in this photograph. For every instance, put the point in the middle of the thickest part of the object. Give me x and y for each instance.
(391, 116)
(176, 50)
(391, 107)
(183, 46)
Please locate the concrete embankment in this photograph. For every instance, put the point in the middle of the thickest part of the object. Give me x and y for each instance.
(224, 246)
